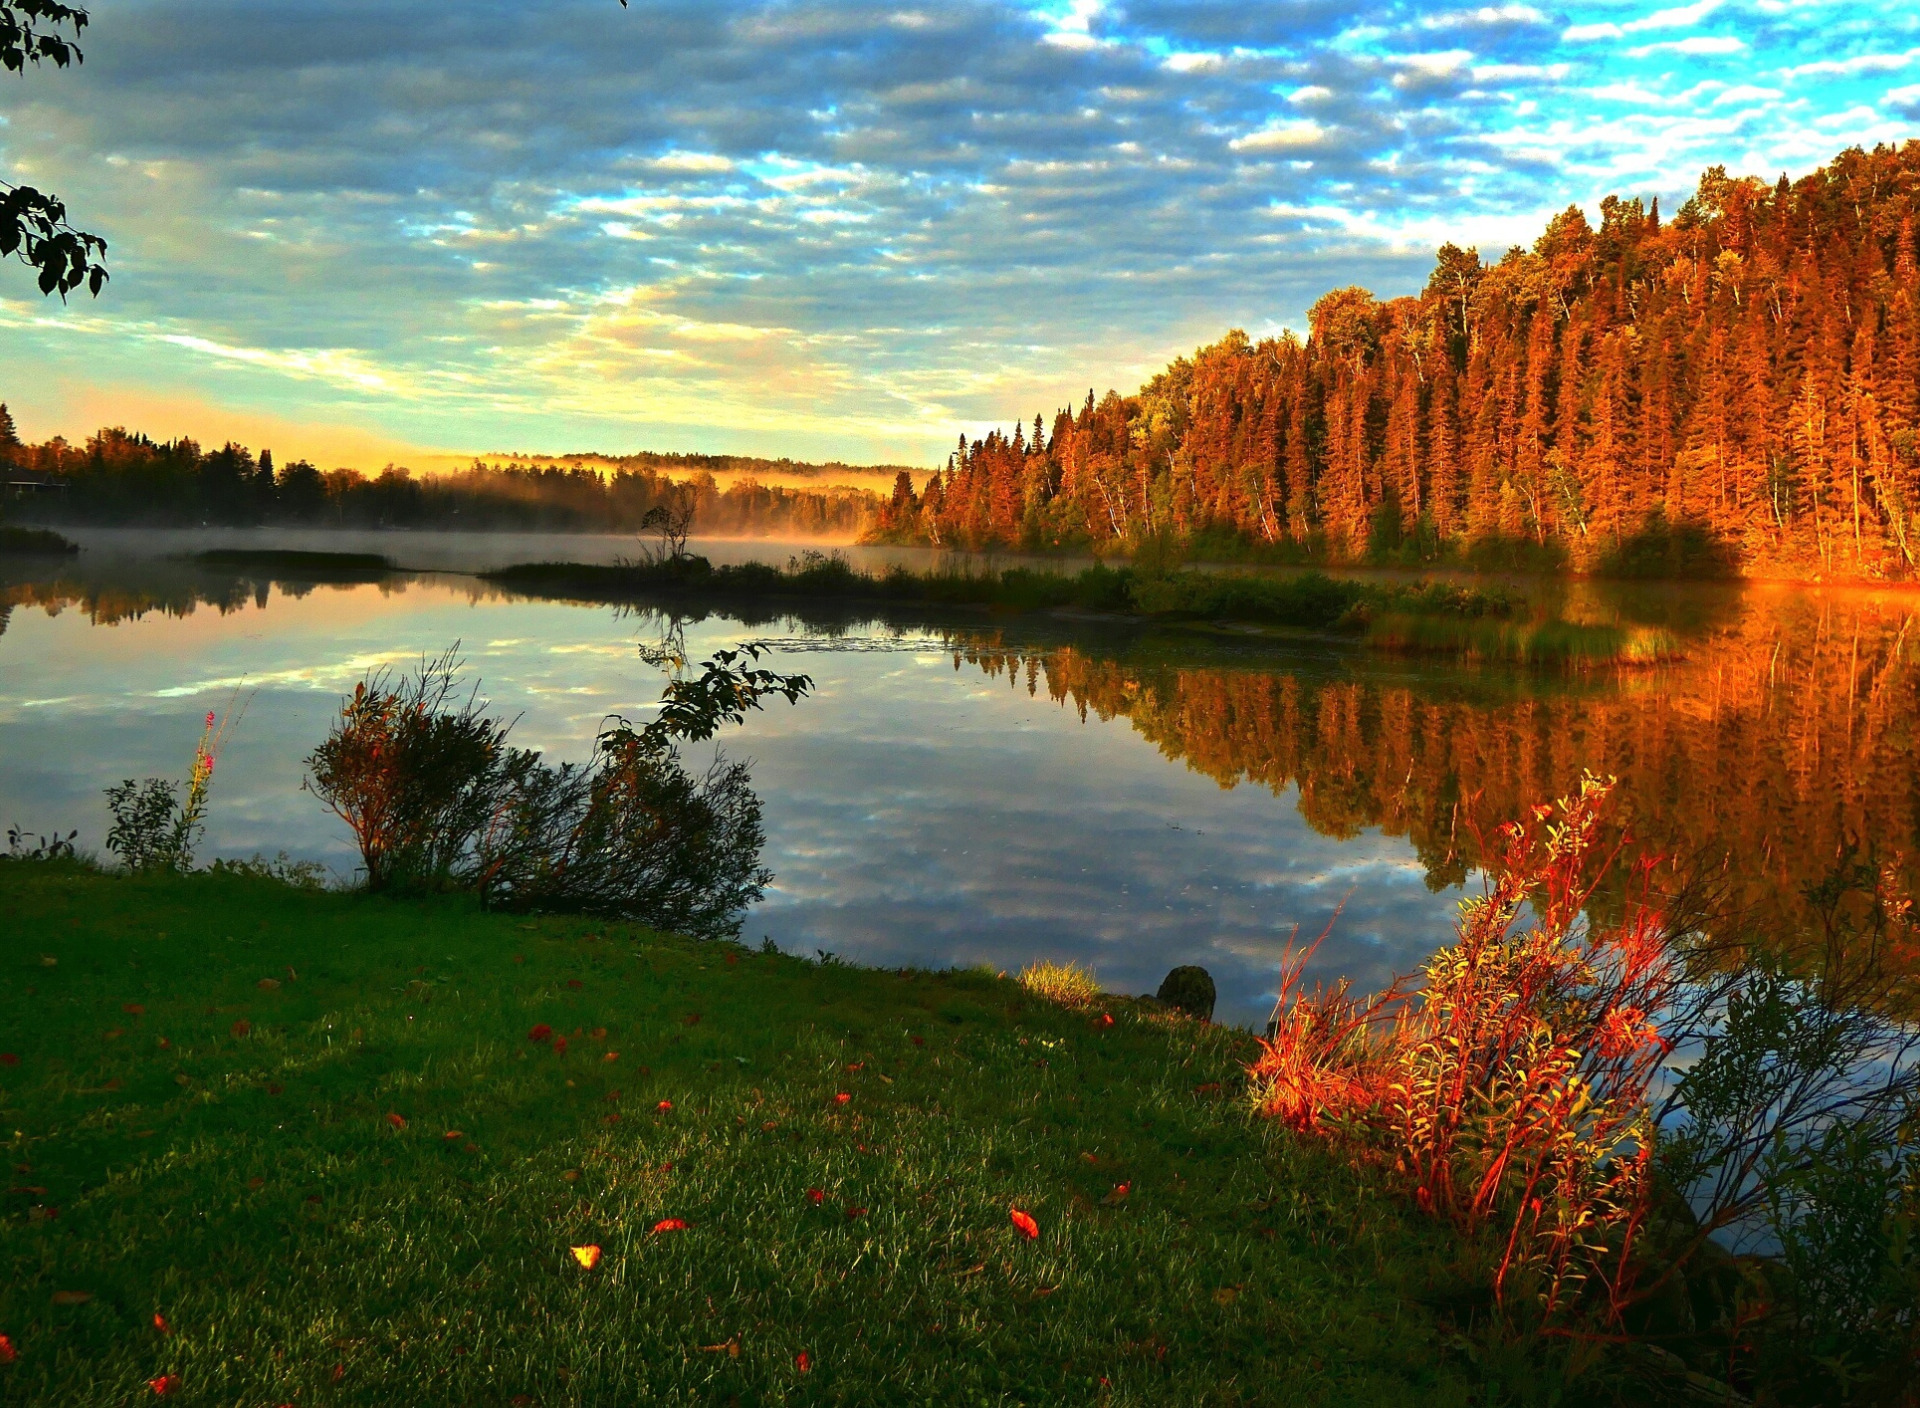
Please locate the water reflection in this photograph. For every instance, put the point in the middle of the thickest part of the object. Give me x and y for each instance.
(965, 791)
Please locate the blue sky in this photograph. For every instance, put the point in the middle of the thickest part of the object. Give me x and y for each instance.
(356, 229)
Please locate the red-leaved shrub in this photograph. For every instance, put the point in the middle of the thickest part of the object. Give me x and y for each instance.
(1509, 1087)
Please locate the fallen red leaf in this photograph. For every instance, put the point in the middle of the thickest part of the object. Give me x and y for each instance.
(339, 1373)
(670, 1224)
(1025, 1223)
(1106, 1019)
(816, 1195)
(852, 1213)
(133, 1009)
(164, 1385)
(7, 1352)
(919, 1041)
(559, 1046)
(588, 1256)
(452, 1135)
(664, 1106)
(1118, 1195)
(842, 1098)
(397, 1121)
(611, 1056)
(802, 1362)
(541, 1032)
(160, 1324)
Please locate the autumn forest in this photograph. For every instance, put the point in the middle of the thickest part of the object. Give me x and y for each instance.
(1735, 387)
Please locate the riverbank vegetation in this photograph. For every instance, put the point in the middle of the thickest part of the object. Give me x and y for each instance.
(1425, 617)
(1735, 388)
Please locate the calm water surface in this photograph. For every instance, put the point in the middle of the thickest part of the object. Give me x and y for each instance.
(968, 790)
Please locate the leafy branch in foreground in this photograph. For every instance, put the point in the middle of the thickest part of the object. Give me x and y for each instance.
(33, 225)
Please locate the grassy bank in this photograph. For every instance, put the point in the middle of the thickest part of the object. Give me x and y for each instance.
(1420, 617)
(311, 1132)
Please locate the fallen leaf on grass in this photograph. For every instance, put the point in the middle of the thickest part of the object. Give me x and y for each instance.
(1118, 1195)
(1226, 1295)
(816, 1196)
(572, 1175)
(842, 1098)
(133, 1009)
(664, 1106)
(540, 1032)
(588, 1256)
(731, 1349)
(241, 1027)
(1025, 1223)
(7, 1352)
(852, 1213)
(452, 1135)
(72, 1297)
(164, 1385)
(397, 1121)
(575, 984)
(1106, 1020)
(559, 1046)
(611, 1056)
(160, 1324)
(267, 984)
(802, 1362)
(670, 1224)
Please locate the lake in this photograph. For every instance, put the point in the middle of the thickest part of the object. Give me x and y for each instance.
(968, 789)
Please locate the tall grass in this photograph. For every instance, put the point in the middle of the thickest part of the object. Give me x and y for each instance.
(1068, 984)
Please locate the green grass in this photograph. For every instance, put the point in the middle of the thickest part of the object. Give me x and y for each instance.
(184, 1141)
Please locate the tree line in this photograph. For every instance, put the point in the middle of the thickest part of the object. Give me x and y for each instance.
(1735, 388)
(118, 477)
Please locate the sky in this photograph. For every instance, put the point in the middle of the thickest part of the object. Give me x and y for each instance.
(363, 230)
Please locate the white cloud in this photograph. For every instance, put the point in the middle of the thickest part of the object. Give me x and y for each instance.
(1486, 15)
(691, 161)
(1282, 137)
(1679, 17)
(1848, 68)
(1698, 46)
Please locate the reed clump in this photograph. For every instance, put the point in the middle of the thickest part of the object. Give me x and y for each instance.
(1068, 984)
